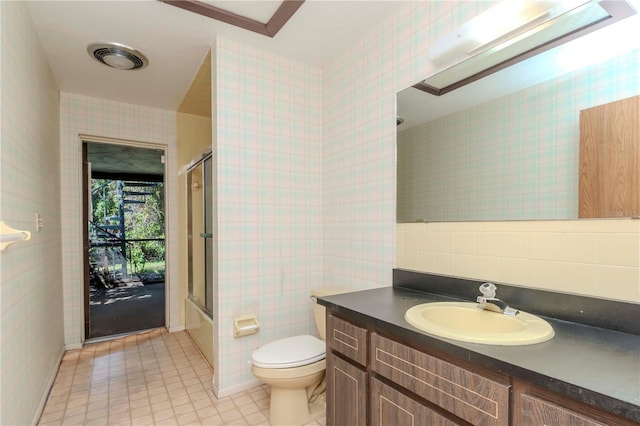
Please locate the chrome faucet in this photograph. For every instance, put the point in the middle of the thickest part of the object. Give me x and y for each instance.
(489, 302)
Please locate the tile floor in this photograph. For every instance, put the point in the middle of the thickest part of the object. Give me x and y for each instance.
(151, 378)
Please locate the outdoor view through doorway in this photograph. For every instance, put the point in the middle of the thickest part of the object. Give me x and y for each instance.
(124, 239)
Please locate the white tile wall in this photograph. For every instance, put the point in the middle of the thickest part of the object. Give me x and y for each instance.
(268, 142)
(126, 123)
(31, 322)
(595, 257)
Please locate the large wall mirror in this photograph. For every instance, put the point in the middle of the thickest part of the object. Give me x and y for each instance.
(506, 147)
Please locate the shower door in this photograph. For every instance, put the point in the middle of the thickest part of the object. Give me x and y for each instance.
(200, 229)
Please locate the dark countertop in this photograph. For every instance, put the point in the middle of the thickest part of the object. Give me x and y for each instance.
(594, 365)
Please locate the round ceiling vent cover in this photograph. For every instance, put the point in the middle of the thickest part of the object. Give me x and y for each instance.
(117, 56)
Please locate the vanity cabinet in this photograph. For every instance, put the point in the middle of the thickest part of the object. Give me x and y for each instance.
(346, 393)
(378, 378)
(372, 379)
(347, 339)
(347, 378)
(391, 407)
(536, 406)
(459, 391)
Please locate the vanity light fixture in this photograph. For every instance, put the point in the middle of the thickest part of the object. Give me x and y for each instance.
(510, 32)
(117, 56)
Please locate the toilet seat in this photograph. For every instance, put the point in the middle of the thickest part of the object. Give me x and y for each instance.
(289, 352)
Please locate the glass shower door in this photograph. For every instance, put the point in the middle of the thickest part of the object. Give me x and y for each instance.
(208, 234)
(200, 228)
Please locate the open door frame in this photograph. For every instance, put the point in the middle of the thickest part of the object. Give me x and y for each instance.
(86, 177)
(86, 212)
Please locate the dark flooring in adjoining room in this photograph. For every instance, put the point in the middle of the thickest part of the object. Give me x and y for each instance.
(127, 308)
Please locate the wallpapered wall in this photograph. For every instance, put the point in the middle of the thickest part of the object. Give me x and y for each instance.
(31, 290)
(306, 193)
(268, 141)
(359, 129)
(82, 115)
(359, 186)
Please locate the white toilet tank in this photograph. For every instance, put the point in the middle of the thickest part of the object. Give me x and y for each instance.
(319, 311)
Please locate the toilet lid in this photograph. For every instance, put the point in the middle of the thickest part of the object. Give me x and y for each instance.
(290, 352)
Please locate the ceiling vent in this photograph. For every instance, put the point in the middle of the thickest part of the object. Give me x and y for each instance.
(117, 56)
(510, 32)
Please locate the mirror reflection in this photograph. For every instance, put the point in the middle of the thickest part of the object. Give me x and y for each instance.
(506, 147)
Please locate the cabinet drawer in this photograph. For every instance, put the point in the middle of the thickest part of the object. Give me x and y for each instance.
(390, 407)
(346, 393)
(537, 411)
(348, 339)
(467, 395)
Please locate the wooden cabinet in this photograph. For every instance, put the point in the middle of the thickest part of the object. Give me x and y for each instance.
(609, 183)
(347, 339)
(535, 406)
(461, 392)
(370, 380)
(376, 379)
(347, 380)
(346, 393)
(390, 407)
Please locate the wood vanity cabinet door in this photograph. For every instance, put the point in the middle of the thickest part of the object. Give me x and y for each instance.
(390, 407)
(537, 411)
(346, 393)
(539, 407)
(348, 339)
(470, 396)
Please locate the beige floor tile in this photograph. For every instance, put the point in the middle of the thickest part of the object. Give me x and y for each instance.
(257, 418)
(123, 416)
(230, 416)
(143, 421)
(241, 399)
(188, 418)
(97, 422)
(183, 409)
(249, 408)
(204, 403)
(213, 420)
(52, 417)
(78, 419)
(152, 378)
(99, 413)
(162, 415)
(224, 405)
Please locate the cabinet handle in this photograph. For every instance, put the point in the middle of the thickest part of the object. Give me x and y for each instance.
(206, 235)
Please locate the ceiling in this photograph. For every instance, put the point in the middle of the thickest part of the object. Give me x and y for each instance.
(125, 162)
(176, 41)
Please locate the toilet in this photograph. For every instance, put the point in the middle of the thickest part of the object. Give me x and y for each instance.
(295, 367)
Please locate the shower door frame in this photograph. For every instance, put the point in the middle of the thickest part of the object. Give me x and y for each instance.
(206, 186)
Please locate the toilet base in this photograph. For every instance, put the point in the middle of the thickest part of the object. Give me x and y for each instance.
(318, 408)
(290, 407)
(291, 391)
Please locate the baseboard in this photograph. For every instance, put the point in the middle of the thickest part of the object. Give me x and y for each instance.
(221, 393)
(72, 346)
(50, 382)
(176, 328)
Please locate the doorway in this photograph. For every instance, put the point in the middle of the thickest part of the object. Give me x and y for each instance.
(124, 239)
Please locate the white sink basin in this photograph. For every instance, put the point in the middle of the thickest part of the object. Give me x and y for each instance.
(467, 322)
